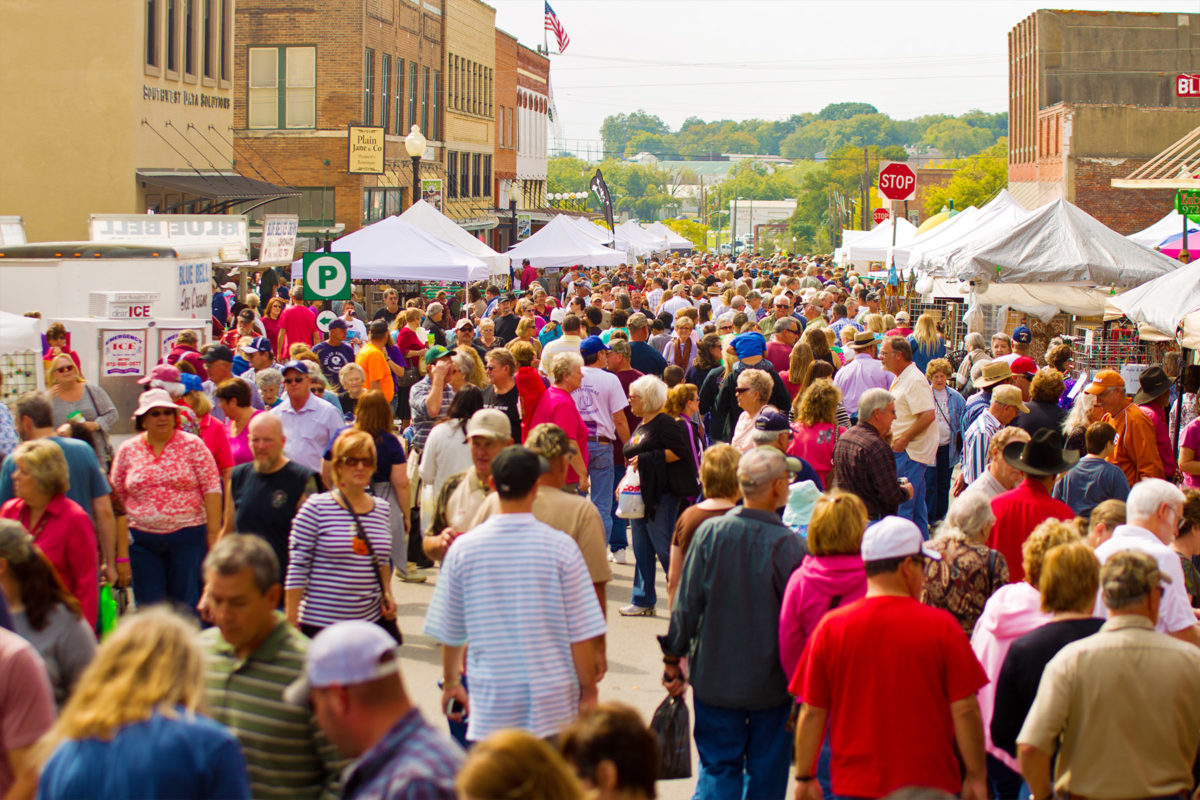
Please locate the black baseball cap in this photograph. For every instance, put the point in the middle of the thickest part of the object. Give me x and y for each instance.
(217, 352)
(516, 469)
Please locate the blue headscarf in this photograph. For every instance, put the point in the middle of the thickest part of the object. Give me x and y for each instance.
(751, 343)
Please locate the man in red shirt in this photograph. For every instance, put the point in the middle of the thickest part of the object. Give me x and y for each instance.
(1018, 511)
(528, 275)
(297, 325)
(894, 680)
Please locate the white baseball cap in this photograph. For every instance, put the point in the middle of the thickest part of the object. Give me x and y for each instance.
(895, 537)
(345, 654)
(558, 315)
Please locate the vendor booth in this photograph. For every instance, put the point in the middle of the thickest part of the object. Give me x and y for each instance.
(561, 243)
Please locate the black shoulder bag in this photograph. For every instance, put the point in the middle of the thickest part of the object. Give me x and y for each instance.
(360, 535)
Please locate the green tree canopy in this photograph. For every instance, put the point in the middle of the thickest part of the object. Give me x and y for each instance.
(976, 181)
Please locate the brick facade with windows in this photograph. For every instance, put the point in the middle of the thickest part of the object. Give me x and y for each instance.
(504, 167)
(533, 106)
(470, 112)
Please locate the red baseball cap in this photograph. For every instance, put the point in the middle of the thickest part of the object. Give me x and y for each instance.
(1024, 365)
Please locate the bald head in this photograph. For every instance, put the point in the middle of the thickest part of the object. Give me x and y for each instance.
(266, 442)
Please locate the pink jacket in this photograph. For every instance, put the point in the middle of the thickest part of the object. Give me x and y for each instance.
(809, 596)
(1011, 612)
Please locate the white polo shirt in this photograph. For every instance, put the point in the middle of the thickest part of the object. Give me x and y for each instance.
(914, 395)
(1175, 610)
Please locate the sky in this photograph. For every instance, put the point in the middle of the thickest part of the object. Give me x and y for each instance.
(769, 59)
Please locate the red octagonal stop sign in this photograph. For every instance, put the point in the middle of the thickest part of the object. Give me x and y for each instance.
(897, 181)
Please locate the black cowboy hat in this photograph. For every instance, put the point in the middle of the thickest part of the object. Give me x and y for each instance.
(1154, 382)
(1041, 455)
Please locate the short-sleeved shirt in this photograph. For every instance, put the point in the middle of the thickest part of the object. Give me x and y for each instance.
(598, 398)
(513, 561)
(216, 439)
(374, 364)
(575, 516)
(87, 481)
(332, 360)
(928, 665)
(165, 493)
(266, 502)
(1191, 440)
(509, 403)
(558, 407)
(422, 420)
(298, 324)
(65, 534)
(26, 699)
(308, 431)
(1175, 608)
(914, 396)
(1018, 511)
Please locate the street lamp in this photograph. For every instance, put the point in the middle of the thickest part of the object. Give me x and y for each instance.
(414, 143)
(514, 195)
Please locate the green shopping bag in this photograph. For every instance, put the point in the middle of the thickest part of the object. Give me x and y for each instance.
(108, 611)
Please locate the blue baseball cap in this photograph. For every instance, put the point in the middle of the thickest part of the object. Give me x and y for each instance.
(1022, 335)
(259, 344)
(592, 345)
(298, 365)
(770, 420)
(751, 343)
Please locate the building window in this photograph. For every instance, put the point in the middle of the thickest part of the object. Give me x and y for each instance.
(486, 180)
(314, 206)
(512, 131)
(451, 175)
(189, 36)
(476, 160)
(412, 93)
(500, 130)
(369, 87)
(172, 35)
(434, 119)
(226, 41)
(399, 96)
(464, 176)
(289, 102)
(153, 42)
(385, 91)
(208, 40)
(425, 99)
(380, 202)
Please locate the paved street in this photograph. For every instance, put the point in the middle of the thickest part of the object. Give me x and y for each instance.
(634, 661)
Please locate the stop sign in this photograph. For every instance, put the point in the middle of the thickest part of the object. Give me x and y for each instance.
(879, 215)
(897, 181)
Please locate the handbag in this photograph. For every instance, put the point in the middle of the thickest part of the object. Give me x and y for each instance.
(411, 375)
(360, 535)
(105, 442)
(671, 724)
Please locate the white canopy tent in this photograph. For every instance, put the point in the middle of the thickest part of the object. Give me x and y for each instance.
(432, 221)
(593, 231)
(635, 239)
(396, 250)
(674, 240)
(1057, 258)
(946, 232)
(562, 244)
(1164, 306)
(1165, 228)
(876, 244)
(993, 219)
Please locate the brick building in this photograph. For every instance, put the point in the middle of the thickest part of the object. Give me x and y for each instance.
(504, 167)
(1091, 98)
(533, 120)
(470, 112)
(305, 71)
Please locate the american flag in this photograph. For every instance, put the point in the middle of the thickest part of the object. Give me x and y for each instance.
(552, 24)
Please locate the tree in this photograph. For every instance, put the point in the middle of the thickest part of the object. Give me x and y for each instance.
(691, 230)
(806, 141)
(975, 181)
(616, 131)
(846, 110)
(568, 174)
(655, 143)
(957, 137)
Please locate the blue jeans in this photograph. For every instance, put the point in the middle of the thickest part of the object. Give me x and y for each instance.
(937, 486)
(617, 536)
(1002, 781)
(743, 754)
(914, 508)
(166, 566)
(651, 539)
(600, 479)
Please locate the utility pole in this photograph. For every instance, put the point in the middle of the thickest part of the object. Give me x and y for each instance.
(866, 183)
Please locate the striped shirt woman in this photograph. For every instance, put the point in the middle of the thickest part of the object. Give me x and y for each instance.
(337, 582)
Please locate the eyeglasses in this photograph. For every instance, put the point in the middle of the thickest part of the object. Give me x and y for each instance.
(741, 389)
(357, 462)
(290, 381)
(160, 412)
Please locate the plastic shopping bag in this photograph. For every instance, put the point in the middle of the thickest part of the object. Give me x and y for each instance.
(108, 610)
(672, 724)
(630, 504)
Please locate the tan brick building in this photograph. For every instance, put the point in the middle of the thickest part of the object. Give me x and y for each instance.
(504, 166)
(305, 71)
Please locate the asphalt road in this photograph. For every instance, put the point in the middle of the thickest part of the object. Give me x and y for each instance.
(634, 658)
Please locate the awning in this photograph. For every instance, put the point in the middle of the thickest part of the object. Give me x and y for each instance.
(1177, 167)
(222, 189)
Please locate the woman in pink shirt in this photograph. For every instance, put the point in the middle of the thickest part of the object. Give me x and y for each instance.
(171, 489)
(556, 405)
(233, 397)
(816, 429)
(60, 528)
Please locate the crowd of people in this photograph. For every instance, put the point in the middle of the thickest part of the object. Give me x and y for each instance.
(889, 562)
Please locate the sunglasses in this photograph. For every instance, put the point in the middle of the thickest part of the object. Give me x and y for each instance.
(358, 462)
(64, 369)
(741, 389)
(290, 381)
(159, 412)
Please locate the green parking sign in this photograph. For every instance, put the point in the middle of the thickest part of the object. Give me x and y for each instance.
(326, 276)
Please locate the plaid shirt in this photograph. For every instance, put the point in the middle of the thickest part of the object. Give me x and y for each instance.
(412, 761)
(864, 465)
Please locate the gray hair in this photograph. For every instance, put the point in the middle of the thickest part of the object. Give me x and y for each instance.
(563, 364)
(653, 392)
(269, 377)
(974, 341)
(760, 438)
(1001, 336)
(463, 363)
(1147, 495)
(970, 515)
(620, 347)
(36, 406)
(240, 551)
(873, 400)
(757, 379)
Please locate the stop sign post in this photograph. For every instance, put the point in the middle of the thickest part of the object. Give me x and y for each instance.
(879, 215)
(897, 182)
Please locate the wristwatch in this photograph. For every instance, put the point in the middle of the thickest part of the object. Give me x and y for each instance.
(805, 779)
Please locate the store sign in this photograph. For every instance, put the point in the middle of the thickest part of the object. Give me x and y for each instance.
(195, 285)
(1187, 85)
(524, 226)
(213, 230)
(124, 354)
(1187, 202)
(364, 154)
(431, 192)
(278, 240)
